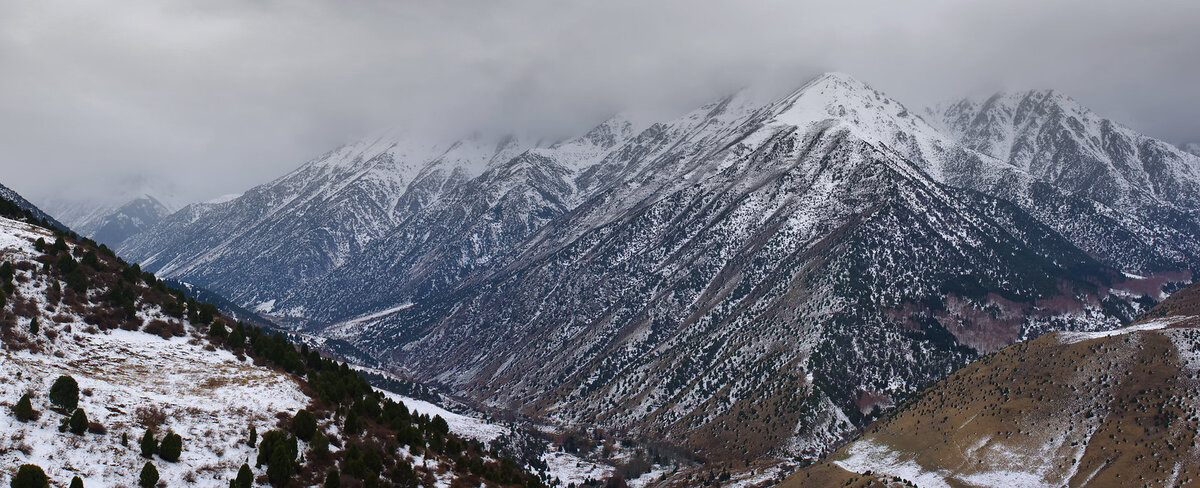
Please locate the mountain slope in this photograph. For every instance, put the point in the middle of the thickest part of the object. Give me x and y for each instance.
(741, 301)
(1099, 409)
(16, 199)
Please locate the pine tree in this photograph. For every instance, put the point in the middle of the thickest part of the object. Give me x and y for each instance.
(279, 471)
(149, 476)
(76, 482)
(439, 425)
(245, 478)
(65, 393)
(252, 439)
(33, 326)
(79, 422)
(333, 479)
(149, 445)
(236, 339)
(171, 447)
(124, 439)
(352, 424)
(304, 425)
(24, 409)
(30, 476)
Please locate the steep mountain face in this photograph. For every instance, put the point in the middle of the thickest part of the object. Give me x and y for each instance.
(261, 244)
(1192, 147)
(456, 226)
(1129, 200)
(1068, 409)
(8, 194)
(737, 292)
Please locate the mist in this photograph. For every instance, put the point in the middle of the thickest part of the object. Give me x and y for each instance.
(214, 97)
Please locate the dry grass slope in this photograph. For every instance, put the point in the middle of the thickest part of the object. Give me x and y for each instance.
(1108, 409)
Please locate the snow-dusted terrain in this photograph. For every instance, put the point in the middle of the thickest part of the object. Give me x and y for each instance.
(130, 379)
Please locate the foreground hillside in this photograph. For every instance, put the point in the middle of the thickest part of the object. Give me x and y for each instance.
(1116, 408)
(215, 400)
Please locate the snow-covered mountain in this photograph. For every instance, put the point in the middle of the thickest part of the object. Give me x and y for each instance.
(775, 265)
(300, 227)
(113, 222)
(1127, 199)
(1192, 147)
(782, 268)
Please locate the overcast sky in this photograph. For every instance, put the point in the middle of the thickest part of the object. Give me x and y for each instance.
(216, 96)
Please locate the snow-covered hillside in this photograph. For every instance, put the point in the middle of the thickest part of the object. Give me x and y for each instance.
(143, 357)
(129, 379)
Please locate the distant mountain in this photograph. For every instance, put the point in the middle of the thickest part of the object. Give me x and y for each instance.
(303, 225)
(759, 277)
(1068, 409)
(112, 223)
(1192, 147)
(1129, 200)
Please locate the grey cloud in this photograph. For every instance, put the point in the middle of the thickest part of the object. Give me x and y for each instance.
(217, 96)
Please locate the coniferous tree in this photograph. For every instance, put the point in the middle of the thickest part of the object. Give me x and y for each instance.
(24, 409)
(171, 447)
(30, 476)
(236, 339)
(33, 326)
(149, 445)
(333, 479)
(64, 393)
(252, 439)
(279, 471)
(352, 424)
(76, 482)
(149, 476)
(244, 479)
(439, 425)
(304, 425)
(218, 330)
(320, 444)
(78, 423)
(124, 439)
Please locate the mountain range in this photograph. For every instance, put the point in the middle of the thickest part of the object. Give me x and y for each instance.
(761, 276)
